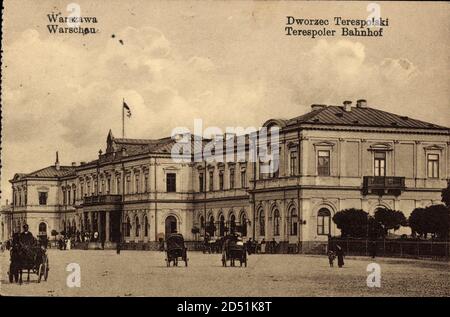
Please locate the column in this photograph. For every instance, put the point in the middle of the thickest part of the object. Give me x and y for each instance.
(107, 226)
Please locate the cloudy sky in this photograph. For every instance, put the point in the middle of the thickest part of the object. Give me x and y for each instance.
(226, 63)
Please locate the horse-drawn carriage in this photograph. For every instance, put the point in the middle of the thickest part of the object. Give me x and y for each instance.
(30, 257)
(234, 249)
(176, 249)
(212, 245)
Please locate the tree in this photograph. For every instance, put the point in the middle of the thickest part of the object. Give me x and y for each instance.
(417, 222)
(438, 218)
(389, 219)
(54, 233)
(433, 219)
(446, 195)
(352, 222)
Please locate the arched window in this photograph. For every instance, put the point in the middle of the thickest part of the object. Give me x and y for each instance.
(276, 222)
(42, 228)
(262, 223)
(146, 226)
(202, 224)
(232, 223)
(293, 224)
(323, 221)
(211, 226)
(221, 226)
(137, 227)
(127, 227)
(244, 224)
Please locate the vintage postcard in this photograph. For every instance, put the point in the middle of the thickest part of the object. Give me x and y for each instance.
(225, 149)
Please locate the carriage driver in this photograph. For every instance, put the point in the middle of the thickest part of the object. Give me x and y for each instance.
(26, 237)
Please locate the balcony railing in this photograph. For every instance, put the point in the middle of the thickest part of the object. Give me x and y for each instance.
(381, 185)
(102, 199)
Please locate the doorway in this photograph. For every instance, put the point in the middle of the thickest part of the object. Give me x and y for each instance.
(171, 225)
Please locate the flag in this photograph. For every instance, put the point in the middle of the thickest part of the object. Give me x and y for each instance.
(125, 106)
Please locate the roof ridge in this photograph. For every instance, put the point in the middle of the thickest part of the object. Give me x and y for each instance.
(409, 118)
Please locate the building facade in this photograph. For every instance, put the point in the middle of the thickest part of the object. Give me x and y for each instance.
(331, 158)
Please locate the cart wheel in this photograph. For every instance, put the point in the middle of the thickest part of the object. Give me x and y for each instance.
(40, 272)
(11, 273)
(46, 269)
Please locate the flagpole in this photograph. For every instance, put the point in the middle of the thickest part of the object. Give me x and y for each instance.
(123, 118)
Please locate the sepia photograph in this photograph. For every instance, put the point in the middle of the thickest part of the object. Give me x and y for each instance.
(241, 151)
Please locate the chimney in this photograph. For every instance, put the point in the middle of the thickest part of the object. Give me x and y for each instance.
(57, 162)
(74, 164)
(317, 107)
(361, 103)
(347, 105)
(82, 162)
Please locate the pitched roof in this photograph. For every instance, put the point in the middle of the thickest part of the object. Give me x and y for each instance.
(48, 172)
(360, 116)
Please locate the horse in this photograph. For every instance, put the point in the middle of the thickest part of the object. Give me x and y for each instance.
(22, 258)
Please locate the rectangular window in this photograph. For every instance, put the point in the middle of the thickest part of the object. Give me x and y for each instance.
(379, 164)
(128, 186)
(171, 182)
(118, 186)
(231, 178)
(211, 181)
(88, 192)
(74, 196)
(108, 185)
(201, 184)
(221, 180)
(243, 179)
(136, 180)
(68, 196)
(433, 165)
(323, 163)
(43, 198)
(64, 197)
(146, 183)
(293, 163)
(82, 190)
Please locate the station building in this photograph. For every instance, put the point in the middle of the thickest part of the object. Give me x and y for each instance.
(331, 158)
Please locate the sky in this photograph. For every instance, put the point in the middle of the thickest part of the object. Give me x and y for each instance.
(227, 63)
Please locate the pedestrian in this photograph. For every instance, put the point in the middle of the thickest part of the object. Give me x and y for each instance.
(118, 247)
(340, 255)
(274, 246)
(249, 246)
(373, 249)
(263, 246)
(331, 257)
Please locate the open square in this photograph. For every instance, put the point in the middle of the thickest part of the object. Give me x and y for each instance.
(134, 273)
